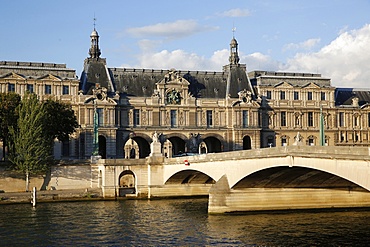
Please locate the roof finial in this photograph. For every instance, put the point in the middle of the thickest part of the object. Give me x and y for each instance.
(94, 21)
(233, 30)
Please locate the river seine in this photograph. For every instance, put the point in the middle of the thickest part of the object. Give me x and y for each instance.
(180, 222)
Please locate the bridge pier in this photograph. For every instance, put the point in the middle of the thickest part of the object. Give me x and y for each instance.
(222, 199)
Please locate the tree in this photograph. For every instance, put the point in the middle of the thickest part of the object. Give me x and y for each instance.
(8, 115)
(31, 150)
(59, 121)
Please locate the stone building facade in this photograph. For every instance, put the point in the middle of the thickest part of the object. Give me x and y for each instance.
(192, 111)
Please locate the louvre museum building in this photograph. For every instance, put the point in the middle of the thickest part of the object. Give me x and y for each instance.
(192, 112)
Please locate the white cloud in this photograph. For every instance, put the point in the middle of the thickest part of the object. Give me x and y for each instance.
(346, 60)
(148, 45)
(179, 59)
(259, 61)
(306, 45)
(182, 60)
(177, 29)
(235, 13)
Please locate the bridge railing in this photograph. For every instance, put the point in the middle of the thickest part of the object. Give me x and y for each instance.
(361, 153)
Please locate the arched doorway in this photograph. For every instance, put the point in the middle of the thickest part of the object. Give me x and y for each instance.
(131, 149)
(213, 144)
(102, 147)
(247, 143)
(178, 145)
(126, 182)
(203, 148)
(144, 148)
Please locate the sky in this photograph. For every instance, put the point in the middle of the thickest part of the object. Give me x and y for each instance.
(329, 37)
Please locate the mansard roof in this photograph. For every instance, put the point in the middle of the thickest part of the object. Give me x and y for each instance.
(96, 72)
(203, 84)
(270, 78)
(344, 96)
(142, 82)
(36, 69)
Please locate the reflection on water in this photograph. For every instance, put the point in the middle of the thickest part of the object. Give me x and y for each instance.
(175, 222)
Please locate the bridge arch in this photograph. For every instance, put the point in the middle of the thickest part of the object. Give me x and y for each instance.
(127, 183)
(190, 176)
(294, 177)
(339, 168)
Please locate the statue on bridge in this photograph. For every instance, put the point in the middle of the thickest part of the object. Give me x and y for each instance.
(155, 146)
(298, 140)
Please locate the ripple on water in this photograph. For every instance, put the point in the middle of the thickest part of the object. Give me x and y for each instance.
(175, 222)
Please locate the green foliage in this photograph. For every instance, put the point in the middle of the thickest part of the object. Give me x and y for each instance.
(33, 129)
(8, 115)
(29, 142)
(59, 121)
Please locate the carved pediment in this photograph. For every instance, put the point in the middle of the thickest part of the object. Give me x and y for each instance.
(311, 85)
(49, 77)
(13, 76)
(100, 96)
(283, 84)
(173, 78)
(365, 106)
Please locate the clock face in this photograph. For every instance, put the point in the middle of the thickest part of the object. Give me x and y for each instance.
(173, 97)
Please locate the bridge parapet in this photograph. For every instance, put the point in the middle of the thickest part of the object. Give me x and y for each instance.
(353, 153)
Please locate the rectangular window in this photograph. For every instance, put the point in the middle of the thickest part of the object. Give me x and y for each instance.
(356, 121)
(310, 119)
(65, 89)
(323, 96)
(311, 141)
(47, 89)
(268, 94)
(368, 119)
(30, 88)
(341, 119)
(283, 142)
(11, 87)
(209, 118)
(296, 95)
(136, 117)
(245, 118)
(173, 118)
(283, 118)
(282, 94)
(309, 96)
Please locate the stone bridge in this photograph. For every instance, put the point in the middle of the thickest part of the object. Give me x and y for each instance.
(292, 177)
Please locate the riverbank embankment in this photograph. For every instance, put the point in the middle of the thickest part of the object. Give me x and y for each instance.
(52, 196)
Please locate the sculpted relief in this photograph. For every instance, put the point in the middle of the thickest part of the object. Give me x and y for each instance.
(173, 97)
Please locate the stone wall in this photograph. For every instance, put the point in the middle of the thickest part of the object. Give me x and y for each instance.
(61, 177)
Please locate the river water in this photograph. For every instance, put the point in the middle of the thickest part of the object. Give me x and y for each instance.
(180, 222)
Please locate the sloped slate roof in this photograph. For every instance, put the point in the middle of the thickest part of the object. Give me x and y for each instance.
(35, 69)
(96, 72)
(142, 82)
(344, 96)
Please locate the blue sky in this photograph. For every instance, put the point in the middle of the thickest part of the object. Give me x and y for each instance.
(329, 37)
